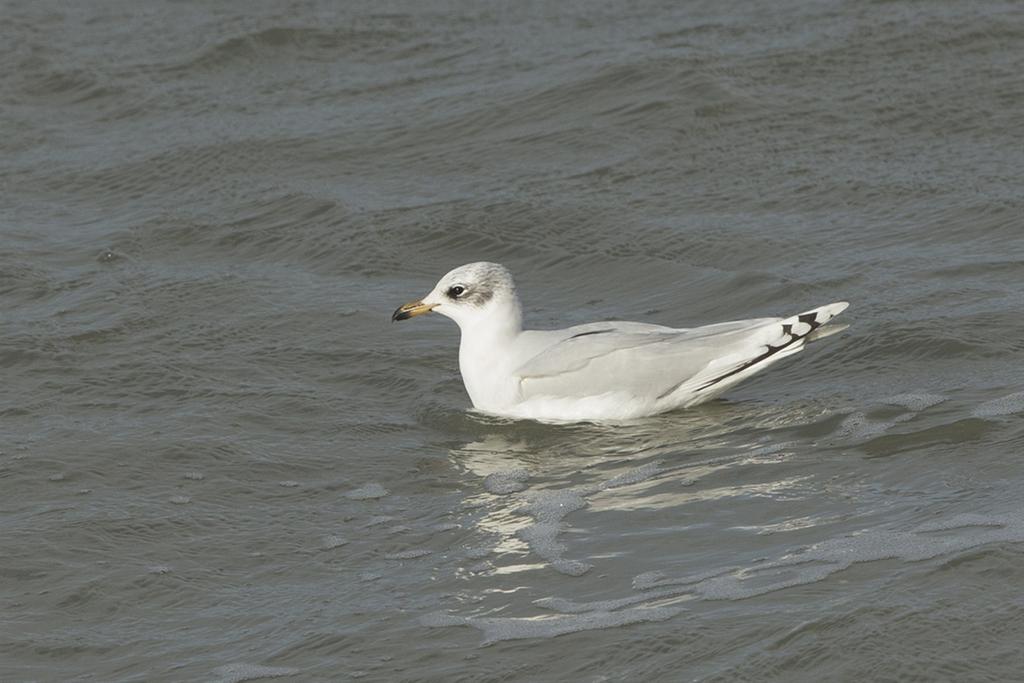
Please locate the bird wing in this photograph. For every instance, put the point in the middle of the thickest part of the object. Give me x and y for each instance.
(653, 362)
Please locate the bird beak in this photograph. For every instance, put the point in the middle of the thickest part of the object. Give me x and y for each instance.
(411, 310)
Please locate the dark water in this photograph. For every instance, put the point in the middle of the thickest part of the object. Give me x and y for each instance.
(218, 461)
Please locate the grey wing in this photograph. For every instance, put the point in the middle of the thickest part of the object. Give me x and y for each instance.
(637, 359)
(653, 362)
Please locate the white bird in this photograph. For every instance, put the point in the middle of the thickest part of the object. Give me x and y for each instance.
(604, 370)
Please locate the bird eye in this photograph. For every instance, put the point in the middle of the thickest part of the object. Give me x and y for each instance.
(456, 291)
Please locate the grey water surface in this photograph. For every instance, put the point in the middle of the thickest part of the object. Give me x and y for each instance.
(220, 462)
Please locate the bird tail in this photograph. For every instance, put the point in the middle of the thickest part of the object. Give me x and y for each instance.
(779, 339)
(810, 325)
(826, 331)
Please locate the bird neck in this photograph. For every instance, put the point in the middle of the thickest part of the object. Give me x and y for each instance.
(485, 354)
(501, 320)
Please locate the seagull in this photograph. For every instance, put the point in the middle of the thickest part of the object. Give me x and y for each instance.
(603, 371)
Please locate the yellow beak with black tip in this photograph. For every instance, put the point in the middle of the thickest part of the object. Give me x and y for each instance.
(411, 310)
